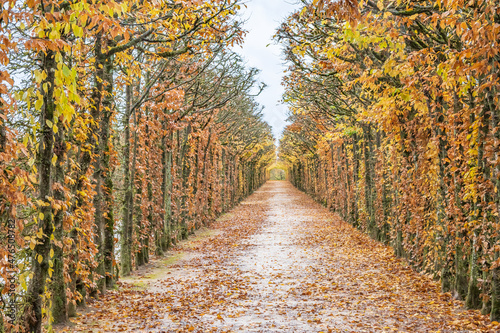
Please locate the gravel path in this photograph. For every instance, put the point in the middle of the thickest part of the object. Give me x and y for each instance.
(279, 262)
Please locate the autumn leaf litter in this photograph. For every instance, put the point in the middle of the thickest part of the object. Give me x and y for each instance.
(279, 262)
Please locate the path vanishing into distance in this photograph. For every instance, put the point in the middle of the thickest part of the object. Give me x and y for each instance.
(279, 262)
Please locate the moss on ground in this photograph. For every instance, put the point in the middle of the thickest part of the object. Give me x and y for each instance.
(159, 267)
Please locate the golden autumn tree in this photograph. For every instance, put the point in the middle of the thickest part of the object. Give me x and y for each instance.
(137, 107)
(394, 108)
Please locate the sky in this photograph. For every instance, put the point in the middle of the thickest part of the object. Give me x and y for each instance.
(263, 17)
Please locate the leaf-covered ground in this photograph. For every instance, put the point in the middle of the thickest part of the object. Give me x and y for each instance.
(279, 262)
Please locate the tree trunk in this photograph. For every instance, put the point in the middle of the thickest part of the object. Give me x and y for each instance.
(58, 286)
(106, 173)
(495, 272)
(126, 246)
(355, 180)
(165, 188)
(40, 256)
(369, 188)
(131, 204)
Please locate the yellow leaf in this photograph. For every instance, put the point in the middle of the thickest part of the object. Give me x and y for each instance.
(51, 253)
(41, 216)
(40, 258)
(53, 34)
(38, 104)
(78, 31)
(66, 71)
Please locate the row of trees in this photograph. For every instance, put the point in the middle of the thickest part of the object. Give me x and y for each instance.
(124, 125)
(395, 126)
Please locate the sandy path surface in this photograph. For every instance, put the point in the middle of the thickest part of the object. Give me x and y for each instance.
(279, 262)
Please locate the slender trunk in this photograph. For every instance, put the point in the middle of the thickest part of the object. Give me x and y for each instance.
(165, 228)
(196, 217)
(184, 170)
(495, 272)
(460, 264)
(444, 265)
(223, 180)
(234, 182)
(139, 228)
(149, 188)
(40, 256)
(98, 150)
(168, 186)
(355, 180)
(473, 300)
(131, 204)
(58, 286)
(107, 172)
(369, 180)
(126, 246)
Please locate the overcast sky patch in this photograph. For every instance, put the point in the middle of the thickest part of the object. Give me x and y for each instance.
(263, 18)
